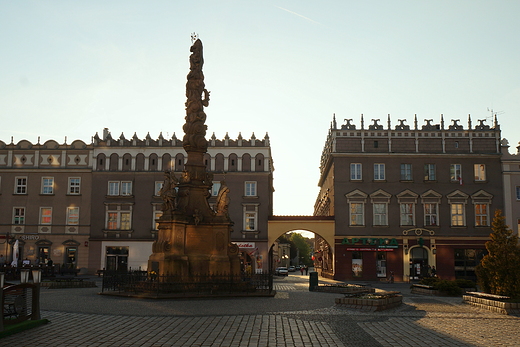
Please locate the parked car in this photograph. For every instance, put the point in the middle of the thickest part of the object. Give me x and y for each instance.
(281, 271)
(292, 269)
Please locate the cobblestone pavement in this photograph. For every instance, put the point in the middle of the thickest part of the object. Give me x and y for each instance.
(295, 317)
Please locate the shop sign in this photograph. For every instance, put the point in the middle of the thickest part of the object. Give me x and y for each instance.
(366, 241)
(29, 237)
(369, 249)
(245, 244)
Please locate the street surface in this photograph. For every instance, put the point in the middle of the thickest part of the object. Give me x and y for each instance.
(294, 317)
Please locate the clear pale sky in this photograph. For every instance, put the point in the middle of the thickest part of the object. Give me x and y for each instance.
(71, 68)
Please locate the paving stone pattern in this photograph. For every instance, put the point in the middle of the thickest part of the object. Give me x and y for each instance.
(295, 317)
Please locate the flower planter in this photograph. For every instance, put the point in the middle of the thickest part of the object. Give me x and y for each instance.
(491, 303)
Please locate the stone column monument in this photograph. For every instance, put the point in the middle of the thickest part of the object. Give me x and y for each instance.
(194, 239)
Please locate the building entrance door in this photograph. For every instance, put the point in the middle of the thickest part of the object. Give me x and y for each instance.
(418, 263)
(116, 259)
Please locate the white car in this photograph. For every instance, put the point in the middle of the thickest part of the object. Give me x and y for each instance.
(281, 271)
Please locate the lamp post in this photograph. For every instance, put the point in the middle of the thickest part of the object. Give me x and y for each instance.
(24, 275)
(2, 300)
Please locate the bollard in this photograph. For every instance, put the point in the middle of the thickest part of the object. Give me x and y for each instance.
(313, 281)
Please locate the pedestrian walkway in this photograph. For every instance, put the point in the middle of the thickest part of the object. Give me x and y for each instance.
(294, 317)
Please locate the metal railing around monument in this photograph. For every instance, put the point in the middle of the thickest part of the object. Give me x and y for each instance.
(142, 282)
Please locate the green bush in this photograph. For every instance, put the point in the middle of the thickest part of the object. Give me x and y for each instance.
(448, 287)
(463, 283)
(429, 281)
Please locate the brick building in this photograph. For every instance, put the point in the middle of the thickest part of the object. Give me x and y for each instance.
(408, 198)
(94, 206)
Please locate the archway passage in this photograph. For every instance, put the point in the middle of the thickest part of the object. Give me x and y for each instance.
(319, 225)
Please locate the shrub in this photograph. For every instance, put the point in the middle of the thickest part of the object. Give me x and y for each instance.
(429, 281)
(463, 283)
(448, 287)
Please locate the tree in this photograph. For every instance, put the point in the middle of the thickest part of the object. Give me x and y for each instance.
(303, 247)
(499, 271)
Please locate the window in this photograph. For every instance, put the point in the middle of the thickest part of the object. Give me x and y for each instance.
(156, 216)
(429, 172)
(481, 215)
(457, 214)
(157, 187)
(74, 185)
(250, 221)
(19, 215)
(355, 171)
(379, 171)
(407, 213)
(480, 172)
(20, 185)
(215, 189)
(517, 192)
(376, 144)
(72, 215)
(406, 172)
(380, 214)
(46, 215)
(118, 220)
(430, 214)
(113, 188)
(356, 214)
(47, 185)
(126, 188)
(456, 173)
(250, 188)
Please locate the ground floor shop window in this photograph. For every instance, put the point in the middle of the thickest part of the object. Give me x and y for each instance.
(357, 264)
(116, 258)
(381, 264)
(465, 262)
(43, 255)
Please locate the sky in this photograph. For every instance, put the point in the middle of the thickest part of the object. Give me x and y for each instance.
(68, 69)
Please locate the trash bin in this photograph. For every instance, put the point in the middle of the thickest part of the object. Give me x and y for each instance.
(313, 281)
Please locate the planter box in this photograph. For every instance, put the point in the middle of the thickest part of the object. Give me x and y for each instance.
(371, 304)
(491, 305)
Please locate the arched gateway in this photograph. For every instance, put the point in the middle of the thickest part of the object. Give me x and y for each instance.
(322, 226)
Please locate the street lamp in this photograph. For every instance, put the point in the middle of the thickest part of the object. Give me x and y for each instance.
(24, 276)
(37, 278)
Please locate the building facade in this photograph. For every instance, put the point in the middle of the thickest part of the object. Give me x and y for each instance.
(95, 206)
(511, 170)
(45, 201)
(407, 200)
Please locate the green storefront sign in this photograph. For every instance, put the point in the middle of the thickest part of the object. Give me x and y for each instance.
(368, 241)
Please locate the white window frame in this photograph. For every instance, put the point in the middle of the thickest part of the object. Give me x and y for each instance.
(429, 172)
(380, 218)
(47, 185)
(156, 215)
(18, 215)
(356, 171)
(73, 215)
(407, 217)
(74, 185)
(379, 172)
(406, 172)
(250, 221)
(215, 188)
(42, 209)
(250, 188)
(481, 218)
(356, 216)
(431, 218)
(480, 172)
(126, 188)
(157, 187)
(458, 219)
(113, 188)
(456, 172)
(119, 219)
(20, 185)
